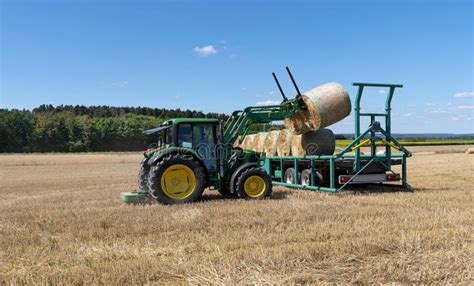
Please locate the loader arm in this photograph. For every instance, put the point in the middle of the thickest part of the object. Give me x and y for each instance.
(240, 121)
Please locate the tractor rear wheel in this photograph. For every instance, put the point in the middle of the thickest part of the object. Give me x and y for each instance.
(254, 183)
(176, 179)
(143, 177)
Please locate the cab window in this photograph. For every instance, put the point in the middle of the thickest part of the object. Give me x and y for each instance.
(185, 138)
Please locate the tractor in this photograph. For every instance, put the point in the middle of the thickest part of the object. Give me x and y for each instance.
(197, 153)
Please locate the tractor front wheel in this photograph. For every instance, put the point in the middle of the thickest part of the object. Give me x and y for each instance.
(176, 179)
(254, 183)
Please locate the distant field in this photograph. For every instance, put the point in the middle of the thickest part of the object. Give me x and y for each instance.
(61, 222)
(345, 142)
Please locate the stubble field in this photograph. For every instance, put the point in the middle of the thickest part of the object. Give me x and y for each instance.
(61, 222)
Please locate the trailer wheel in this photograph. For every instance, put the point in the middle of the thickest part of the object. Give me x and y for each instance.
(306, 177)
(289, 176)
(254, 183)
(176, 179)
(143, 177)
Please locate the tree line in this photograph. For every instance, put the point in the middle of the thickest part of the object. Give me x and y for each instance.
(68, 128)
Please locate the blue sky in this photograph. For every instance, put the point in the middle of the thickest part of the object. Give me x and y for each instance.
(218, 55)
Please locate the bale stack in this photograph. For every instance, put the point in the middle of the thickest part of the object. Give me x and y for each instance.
(270, 143)
(284, 143)
(326, 105)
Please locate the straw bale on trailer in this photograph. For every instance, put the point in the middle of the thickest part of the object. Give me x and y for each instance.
(319, 142)
(297, 148)
(284, 143)
(248, 141)
(257, 144)
(270, 143)
(326, 105)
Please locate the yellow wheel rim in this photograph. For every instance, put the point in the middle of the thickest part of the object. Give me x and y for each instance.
(254, 186)
(178, 182)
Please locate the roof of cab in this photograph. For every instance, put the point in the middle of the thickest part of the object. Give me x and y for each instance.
(193, 120)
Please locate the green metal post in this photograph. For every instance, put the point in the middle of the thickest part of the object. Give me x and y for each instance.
(373, 148)
(295, 178)
(332, 183)
(357, 125)
(312, 183)
(281, 170)
(404, 172)
(388, 123)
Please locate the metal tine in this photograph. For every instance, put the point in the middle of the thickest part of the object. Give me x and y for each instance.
(293, 80)
(279, 87)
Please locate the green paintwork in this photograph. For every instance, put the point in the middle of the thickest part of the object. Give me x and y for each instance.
(134, 197)
(240, 121)
(193, 120)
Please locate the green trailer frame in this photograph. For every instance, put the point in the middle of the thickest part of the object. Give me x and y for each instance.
(275, 165)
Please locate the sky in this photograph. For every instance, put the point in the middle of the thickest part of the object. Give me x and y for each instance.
(218, 56)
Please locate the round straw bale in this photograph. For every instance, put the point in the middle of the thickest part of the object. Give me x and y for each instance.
(326, 105)
(319, 142)
(296, 146)
(469, 151)
(259, 141)
(270, 143)
(248, 141)
(283, 147)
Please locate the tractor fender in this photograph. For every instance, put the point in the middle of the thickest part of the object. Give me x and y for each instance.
(173, 151)
(237, 172)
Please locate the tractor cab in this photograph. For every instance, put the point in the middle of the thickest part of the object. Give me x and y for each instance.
(196, 135)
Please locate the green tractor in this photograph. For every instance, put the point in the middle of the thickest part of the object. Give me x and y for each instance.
(197, 153)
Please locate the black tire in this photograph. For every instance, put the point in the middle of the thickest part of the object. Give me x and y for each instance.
(289, 176)
(305, 177)
(163, 196)
(264, 186)
(143, 177)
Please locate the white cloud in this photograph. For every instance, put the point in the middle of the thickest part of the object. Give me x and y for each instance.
(205, 50)
(466, 106)
(438, 111)
(464, 94)
(268, 102)
(382, 91)
(222, 42)
(120, 84)
(455, 118)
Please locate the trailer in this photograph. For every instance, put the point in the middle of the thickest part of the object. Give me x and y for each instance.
(332, 173)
